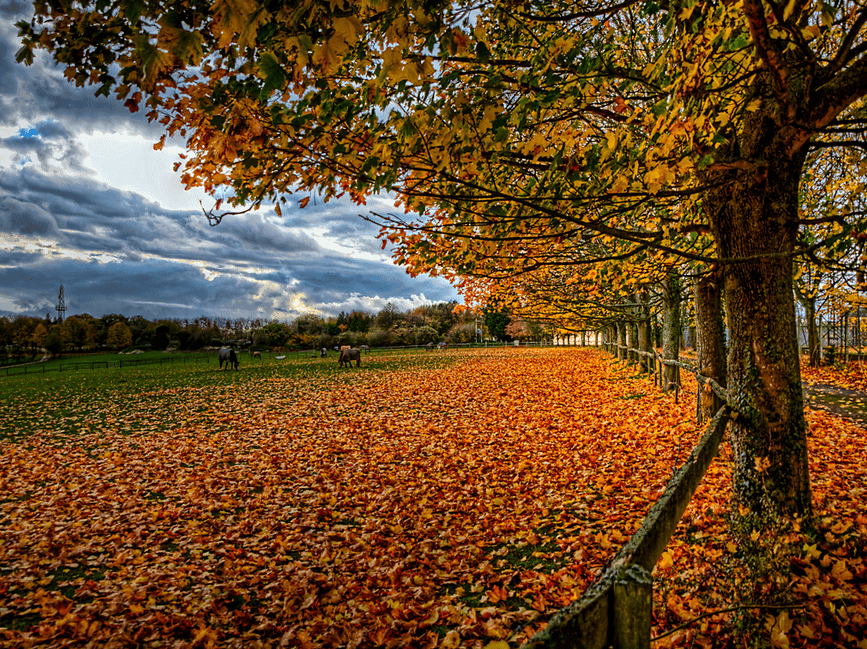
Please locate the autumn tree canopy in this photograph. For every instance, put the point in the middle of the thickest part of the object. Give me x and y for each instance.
(526, 135)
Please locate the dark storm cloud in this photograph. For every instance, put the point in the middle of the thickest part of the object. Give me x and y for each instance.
(345, 225)
(116, 251)
(259, 263)
(26, 219)
(50, 129)
(100, 288)
(87, 215)
(257, 236)
(158, 289)
(40, 89)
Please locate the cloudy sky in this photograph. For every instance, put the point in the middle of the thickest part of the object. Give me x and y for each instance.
(86, 202)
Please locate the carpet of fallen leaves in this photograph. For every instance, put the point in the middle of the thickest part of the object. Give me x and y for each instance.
(851, 375)
(443, 499)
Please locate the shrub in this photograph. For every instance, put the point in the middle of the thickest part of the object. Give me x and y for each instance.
(461, 333)
(379, 337)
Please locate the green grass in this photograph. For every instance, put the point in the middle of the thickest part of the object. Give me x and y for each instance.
(63, 402)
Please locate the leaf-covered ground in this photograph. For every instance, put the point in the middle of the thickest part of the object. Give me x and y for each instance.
(851, 375)
(438, 499)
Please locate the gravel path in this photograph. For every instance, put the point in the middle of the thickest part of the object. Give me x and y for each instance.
(851, 404)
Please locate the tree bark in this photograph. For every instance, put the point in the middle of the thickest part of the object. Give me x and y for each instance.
(710, 335)
(644, 362)
(753, 216)
(671, 328)
(621, 330)
(814, 353)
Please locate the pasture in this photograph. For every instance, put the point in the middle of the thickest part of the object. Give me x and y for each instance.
(423, 499)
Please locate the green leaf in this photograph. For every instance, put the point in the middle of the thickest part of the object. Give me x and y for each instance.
(482, 52)
(272, 73)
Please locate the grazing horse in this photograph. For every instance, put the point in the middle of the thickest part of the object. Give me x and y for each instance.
(229, 357)
(349, 355)
(257, 354)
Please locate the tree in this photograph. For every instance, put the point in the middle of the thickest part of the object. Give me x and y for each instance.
(54, 343)
(274, 334)
(513, 137)
(496, 322)
(518, 329)
(74, 332)
(387, 317)
(309, 324)
(462, 332)
(40, 333)
(119, 335)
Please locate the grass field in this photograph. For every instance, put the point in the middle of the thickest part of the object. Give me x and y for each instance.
(423, 499)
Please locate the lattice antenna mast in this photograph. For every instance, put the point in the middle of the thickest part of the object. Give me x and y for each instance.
(61, 305)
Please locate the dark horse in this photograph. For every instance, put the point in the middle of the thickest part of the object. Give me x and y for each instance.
(229, 357)
(349, 355)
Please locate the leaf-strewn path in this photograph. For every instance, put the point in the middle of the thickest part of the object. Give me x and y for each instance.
(447, 499)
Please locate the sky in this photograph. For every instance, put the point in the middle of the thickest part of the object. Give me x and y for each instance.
(86, 202)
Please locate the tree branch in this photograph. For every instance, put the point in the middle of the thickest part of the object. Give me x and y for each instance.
(768, 52)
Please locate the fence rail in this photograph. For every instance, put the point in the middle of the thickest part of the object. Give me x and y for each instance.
(615, 610)
(43, 368)
(659, 360)
(38, 367)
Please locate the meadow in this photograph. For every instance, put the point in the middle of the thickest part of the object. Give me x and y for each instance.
(428, 499)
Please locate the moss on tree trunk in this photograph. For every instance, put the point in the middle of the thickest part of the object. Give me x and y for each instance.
(671, 327)
(710, 334)
(754, 219)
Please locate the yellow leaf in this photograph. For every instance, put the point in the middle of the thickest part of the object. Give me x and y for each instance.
(840, 572)
(348, 29)
(324, 56)
(665, 561)
(780, 627)
(811, 31)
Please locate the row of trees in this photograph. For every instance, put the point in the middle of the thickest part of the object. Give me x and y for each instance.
(574, 150)
(25, 337)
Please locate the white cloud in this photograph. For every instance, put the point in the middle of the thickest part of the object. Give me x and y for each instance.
(128, 161)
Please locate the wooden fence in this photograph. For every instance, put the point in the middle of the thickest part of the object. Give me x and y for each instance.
(42, 368)
(615, 611)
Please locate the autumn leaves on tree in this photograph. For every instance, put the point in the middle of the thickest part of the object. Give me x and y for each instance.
(569, 154)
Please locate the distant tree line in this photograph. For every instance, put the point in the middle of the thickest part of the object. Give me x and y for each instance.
(24, 337)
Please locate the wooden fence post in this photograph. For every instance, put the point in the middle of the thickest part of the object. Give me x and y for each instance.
(633, 604)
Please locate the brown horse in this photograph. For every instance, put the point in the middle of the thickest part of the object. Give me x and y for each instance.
(347, 356)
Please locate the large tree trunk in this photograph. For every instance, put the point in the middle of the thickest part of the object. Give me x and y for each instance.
(753, 216)
(671, 328)
(710, 335)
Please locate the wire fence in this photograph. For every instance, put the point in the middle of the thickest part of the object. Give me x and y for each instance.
(44, 368)
(41, 367)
